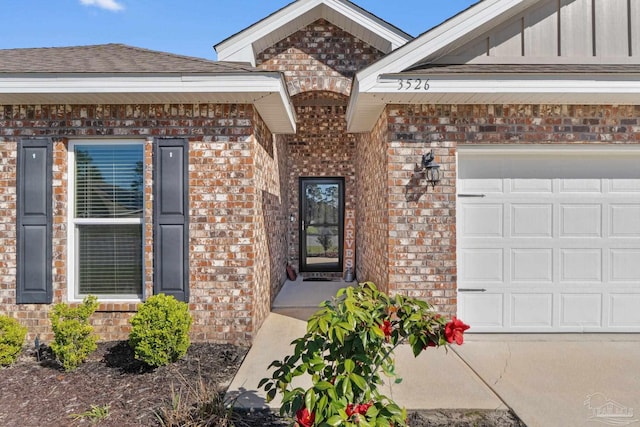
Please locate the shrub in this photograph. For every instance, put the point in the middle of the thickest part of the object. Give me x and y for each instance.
(12, 335)
(73, 338)
(348, 345)
(160, 330)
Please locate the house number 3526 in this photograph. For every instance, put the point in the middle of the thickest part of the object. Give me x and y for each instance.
(413, 84)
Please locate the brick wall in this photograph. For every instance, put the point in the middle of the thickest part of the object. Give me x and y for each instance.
(223, 198)
(320, 57)
(372, 239)
(422, 229)
(271, 220)
(321, 147)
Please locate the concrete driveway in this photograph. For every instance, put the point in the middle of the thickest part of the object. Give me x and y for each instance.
(547, 380)
(561, 380)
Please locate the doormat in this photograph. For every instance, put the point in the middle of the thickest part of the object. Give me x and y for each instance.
(317, 279)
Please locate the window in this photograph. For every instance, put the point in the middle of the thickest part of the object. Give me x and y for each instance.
(106, 195)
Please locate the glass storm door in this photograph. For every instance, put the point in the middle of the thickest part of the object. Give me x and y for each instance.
(321, 224)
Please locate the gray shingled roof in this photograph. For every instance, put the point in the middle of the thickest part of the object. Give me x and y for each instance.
(526, 69)
(109, 58)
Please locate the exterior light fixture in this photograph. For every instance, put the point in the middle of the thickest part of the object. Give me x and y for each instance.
(430, 168)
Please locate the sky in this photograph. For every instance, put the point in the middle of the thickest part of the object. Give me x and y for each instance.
(187, 27)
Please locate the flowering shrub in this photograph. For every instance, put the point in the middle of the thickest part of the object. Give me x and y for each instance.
(348, 345)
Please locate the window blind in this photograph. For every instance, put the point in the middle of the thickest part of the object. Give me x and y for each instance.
(110, 259)
(109, 181)
(109, 198)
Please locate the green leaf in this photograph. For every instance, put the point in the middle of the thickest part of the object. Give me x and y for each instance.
(271, 394)
(359, 381)
(349, 366)
(310, 400)
(335, 421)
(376, 330)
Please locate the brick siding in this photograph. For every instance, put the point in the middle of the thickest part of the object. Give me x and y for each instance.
(223, 207)
(321, 148)
(319, 57)
(422, 228)
(372, 210)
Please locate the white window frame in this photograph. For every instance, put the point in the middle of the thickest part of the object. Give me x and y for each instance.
(73, 294)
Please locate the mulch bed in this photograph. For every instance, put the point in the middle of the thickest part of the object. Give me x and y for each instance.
(39, 393)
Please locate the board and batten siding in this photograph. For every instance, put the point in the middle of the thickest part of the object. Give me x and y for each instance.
(559, 31)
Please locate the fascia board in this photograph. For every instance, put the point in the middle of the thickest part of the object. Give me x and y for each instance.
(437, 39)
(239, 47)
(365, 107)
(617, 84)
(376, 26)
(267, 91)
(229, 47)
(222, 83)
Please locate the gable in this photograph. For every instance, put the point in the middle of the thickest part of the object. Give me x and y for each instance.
(557, 31)
(319, 57)
(511, 51)
(245, 45)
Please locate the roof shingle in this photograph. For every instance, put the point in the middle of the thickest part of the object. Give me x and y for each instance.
(110, 58)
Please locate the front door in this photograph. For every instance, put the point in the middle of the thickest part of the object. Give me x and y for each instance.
(321, 224)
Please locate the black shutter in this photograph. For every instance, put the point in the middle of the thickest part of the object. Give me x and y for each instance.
(171, 218)
(34, 222)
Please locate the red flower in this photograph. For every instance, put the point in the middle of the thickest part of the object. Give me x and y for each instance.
(351, 409)
(358, 409)
(386, 328)
(365, 407)
(454, 331)
(304, 418)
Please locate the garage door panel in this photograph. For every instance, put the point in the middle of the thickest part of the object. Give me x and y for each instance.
(482, 265)
(482, 310)
(624, 220)
(580, 310)
(532, 265)
(624, 185)
(581, 220)
(625, 266)
(624, 310)
(553, 244)
(580, 265)
(532, 310)
(580, 186)
(531, 220)
(482, 220)
(531, 185)
(481, 186)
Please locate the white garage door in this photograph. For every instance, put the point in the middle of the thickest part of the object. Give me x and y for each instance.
(549, 240)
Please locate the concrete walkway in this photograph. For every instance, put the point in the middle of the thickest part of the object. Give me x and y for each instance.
(547, 380)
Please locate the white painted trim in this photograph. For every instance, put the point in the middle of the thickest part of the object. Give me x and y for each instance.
(247, 88)
(365, 106)
(388, 84)
(450, 32)
(72, 221)
(551, 149)
(219, 83)
(239, 46)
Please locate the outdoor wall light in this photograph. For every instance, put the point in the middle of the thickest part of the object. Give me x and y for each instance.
(430, 168)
